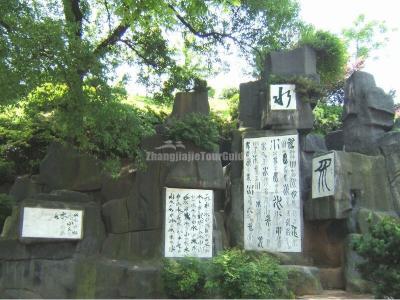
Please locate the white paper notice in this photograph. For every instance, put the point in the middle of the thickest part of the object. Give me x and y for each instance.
(272, 210)
(188, 223)
(283, 96)
(52, 223)
(323, 176)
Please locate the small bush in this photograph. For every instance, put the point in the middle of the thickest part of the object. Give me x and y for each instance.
(6, 205)
(200, 129)
(240, 274)
(331, 54)
(232, 274)
(328, 117)
(380, 248)
(184, 278)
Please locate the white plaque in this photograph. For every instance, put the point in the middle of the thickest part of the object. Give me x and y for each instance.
(323, 175)
(272, 210)
(52, 223)
(188, 222)
(283, 96)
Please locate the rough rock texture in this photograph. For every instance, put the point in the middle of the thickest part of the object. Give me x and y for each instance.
(190, 102)
(114, 188)
(297, 62)
(24, 187)
(390, 147)
(356, 179)
(309, 145)
(323, 242)
(90, 277)
(300, 61)
(332, 278)
(335, 140)
(301, 119)
(354, 281)
(303, 280)
(64, 168)
(367, 114)
(252, 97)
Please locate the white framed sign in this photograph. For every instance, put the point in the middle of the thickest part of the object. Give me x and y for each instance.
(272, 208)
(323, 175)
(51, 223)
(283, 97)
(188, 222)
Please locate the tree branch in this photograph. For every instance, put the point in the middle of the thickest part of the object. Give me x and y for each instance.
(113, 38)
(5, 26)
(213, 34)
(131, 46)
(73, 14)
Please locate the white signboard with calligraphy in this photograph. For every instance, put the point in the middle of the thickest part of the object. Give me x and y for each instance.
(283, 96)
(51, 223)
(188, 222)
(272, 209)
(323, 175)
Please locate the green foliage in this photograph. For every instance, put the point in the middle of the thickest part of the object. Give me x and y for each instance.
(331, 54)
(111, 130)
(224, 125)
(200, 129)
(228, 93)
(328, 117)
(184, 278)
(239, 274)
(232, 274)
(6, 205)
(380, 248)
(307, 89)
(364, 37)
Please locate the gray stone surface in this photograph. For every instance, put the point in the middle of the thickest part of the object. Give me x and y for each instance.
(190, 102)
(116, 216)
(356, 179)
(303, 280)
(116, 188)
(390, 147)
(335, 140)
(252, 97)
(135, 245)
(312, 143)
(196, 174)
(301, 119)
(353, 280)
(300, 61)
(332, 278)
(367, 114)
(64, 168)
(24, 187)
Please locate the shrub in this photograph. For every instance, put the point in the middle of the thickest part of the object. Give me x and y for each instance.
(6, 205)
(184, 278)
(380, 248)
(239, 274)
(331, 54)
(232, 274)
(200, 129)
(328, 117)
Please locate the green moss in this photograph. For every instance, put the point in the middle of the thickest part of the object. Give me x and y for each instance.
(86, 280)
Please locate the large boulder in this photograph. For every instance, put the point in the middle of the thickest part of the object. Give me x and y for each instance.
(360, 181)
(303, 280)
(65, 168)
(190, 102)
(390, 147)
(24, 187)
(367, 114)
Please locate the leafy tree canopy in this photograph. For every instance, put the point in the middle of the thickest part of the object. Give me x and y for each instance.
(78, 42)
